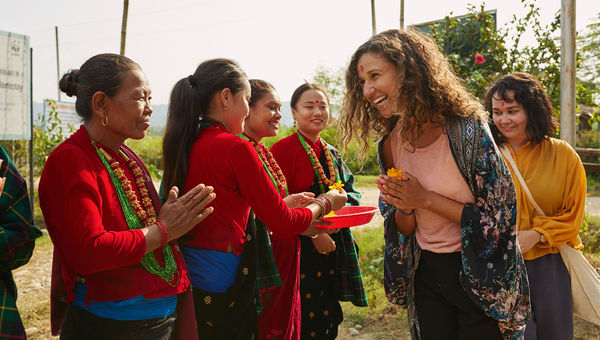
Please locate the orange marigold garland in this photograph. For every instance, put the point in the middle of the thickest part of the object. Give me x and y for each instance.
(138, 217)
(273, 168)
(317, 165)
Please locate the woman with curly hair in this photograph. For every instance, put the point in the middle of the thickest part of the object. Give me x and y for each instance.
(450, 217)
(523, 126)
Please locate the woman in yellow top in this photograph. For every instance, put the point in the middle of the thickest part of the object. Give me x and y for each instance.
(523, 124)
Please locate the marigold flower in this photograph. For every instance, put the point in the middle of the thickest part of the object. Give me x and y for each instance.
(337, 185)
(393, 172)
(479, 59)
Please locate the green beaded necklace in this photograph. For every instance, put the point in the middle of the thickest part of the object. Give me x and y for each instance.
(314, 161)
(149, 261)
(275, 184)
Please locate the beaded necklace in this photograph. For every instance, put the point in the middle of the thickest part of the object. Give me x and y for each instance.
(136, 216)
(270, 165)
(314, 160)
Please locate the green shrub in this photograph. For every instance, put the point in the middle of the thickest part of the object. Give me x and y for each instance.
(590, 234)
(150, 151)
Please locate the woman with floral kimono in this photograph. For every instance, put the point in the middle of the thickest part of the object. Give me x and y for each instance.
(450, 243)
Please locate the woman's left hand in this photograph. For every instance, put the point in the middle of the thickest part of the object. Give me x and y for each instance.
(324, 244)
(406, 193)
(528, 239)
(298, 200)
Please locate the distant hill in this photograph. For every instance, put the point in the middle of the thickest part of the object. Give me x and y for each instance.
(159, 116)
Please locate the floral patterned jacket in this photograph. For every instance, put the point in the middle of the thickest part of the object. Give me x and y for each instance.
(493, 272)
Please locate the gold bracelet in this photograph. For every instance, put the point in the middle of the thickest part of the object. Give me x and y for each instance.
(321, 205)
(328, 197)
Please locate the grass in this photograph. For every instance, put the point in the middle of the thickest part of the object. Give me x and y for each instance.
(364, 181)
(380, 319)
(33, 281)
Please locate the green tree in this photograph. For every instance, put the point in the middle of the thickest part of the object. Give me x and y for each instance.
(333, 81)
(480, 53)
(588, 72)
(47, 134)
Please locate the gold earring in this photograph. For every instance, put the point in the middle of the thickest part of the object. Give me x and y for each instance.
(105, 120)
(295, 124)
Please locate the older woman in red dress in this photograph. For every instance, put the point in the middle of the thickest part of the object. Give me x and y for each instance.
(114, 263)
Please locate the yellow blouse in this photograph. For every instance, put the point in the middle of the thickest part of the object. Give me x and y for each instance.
(556, 179)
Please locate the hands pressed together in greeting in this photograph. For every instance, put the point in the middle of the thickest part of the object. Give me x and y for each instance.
(405, 193)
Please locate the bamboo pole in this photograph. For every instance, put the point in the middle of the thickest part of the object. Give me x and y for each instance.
(373, 22)
(567, 71)
(124, 26)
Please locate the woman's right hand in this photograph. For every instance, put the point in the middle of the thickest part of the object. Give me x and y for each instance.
(298, 200)
(338, 199)
(181, 214)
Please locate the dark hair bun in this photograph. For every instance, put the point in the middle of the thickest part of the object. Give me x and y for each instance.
(69, 82)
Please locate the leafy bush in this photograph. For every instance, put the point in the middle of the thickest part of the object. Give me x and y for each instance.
(150, 151)
(590, 234)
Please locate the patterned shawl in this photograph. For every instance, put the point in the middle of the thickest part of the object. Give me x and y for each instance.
(493, 272)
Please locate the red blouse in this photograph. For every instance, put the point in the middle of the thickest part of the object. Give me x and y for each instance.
(295, 163)
(86, 224)
(231, 165)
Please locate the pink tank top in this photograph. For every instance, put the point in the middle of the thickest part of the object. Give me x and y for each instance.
(437, 171)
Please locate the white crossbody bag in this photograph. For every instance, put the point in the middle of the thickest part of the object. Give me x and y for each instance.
(585, 281)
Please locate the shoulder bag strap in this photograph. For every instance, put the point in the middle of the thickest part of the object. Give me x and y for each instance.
(506, 153)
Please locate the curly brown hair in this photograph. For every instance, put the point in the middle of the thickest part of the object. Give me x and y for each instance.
(428, 89)
(529, 92)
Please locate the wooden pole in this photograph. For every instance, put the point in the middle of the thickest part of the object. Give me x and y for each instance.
(57, 61)
(124, 26)
(401, 14)
(567, 71)
(31, 182)
(373, 22)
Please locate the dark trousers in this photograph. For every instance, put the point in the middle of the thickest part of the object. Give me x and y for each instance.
(551, 301)
(81, 324)
(444, 310)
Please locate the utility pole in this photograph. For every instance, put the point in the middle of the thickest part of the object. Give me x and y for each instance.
(373, 23)
(401, 14)
(57, 61)
(567, 71)
(124, 26)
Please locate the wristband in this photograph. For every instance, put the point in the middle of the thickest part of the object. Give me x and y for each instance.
(329, 200)
(164, 234)
(412, 211)
(322, 205)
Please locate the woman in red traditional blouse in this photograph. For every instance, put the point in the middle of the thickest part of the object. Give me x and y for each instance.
(280, 315)
(329, 270)
(113, 263)
(206, 110)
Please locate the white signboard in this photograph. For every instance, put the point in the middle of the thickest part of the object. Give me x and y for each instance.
(60, 117)
(15, 118)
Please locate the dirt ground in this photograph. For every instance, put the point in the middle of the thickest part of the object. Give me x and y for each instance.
(33, 282)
